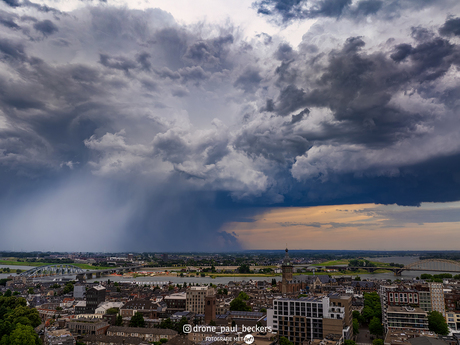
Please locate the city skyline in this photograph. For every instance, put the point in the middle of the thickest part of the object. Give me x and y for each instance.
(183, 126)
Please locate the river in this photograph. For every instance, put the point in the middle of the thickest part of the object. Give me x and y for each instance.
(225, 280)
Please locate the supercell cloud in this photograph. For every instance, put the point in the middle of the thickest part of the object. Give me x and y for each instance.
(128, 130)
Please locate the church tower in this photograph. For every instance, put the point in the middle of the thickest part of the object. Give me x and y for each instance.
(286, 269)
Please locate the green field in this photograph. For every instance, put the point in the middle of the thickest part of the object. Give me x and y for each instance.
(38, 264)
(332, 263)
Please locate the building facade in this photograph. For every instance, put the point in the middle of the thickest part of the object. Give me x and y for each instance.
(196, 298)
(407, 318)
(437, 298)
(94, 296)
(176, 302)
(309, 318)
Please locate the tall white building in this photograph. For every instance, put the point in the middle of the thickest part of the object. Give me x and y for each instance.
(383, 292)
(437, 298)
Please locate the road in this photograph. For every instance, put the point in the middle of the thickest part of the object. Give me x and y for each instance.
(364, 338)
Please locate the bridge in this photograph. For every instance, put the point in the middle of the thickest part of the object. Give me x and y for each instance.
(52, 270)
(434, 265)
(66, 269)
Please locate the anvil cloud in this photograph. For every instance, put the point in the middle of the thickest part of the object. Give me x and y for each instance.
(153, 133)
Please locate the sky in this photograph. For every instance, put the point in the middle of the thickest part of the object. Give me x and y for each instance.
(227, 125)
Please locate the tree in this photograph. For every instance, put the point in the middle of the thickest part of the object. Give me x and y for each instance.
(179, 327)
(273, 282)
(285, 341)
(30, 291)
(112, 311)
(349, 342)
(68, 288)
(376, 327)
(119, 321)
(358, 278)
(355, 326)
(8, 293)
(212, 323)
(243, 295)
(238, 304)
(437, 323)
(23, 335)
(244, 268)
(367, 313)
(377, 342)
(137, 321)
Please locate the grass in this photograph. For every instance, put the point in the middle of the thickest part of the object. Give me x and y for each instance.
(332, 263)
(38, 264)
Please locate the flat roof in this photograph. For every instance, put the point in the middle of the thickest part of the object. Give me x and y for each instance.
(405, 310)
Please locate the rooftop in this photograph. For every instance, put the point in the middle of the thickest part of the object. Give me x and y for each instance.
(406, 310)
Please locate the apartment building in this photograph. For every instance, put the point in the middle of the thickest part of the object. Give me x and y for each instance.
(94, 297)
(437, 298)
(176, 302)
(196, 298)
(407, 318)
(309, 318)
(384, 296)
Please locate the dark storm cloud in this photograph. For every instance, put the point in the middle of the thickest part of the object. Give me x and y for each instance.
(249, 80)
(117, 62)
(286, 11)
(402, 51)
(329, 8)
(358, 88)
(11, 50)
(27, 3)
(179, 134)
(451, 27)
(297, 9)
(143, 60)
(367, 7)
(46, 27)
(421, 34)
(211, 53)
(7, 20)
(12, 3)
(284, 52)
